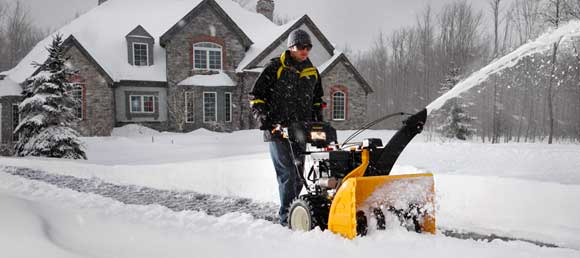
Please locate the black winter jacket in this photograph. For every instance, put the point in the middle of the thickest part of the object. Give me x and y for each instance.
(291, 91)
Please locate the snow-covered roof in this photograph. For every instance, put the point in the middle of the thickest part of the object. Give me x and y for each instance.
(219, 79)
(263, 40)
(8, 87)
(102, 32)
(322, 68)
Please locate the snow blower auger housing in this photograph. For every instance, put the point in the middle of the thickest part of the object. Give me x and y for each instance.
(349, 186)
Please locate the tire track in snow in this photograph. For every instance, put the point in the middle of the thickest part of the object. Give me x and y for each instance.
(188, 200)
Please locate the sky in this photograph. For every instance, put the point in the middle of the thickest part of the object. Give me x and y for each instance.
(363, 20)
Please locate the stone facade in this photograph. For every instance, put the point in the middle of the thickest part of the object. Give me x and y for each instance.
(98, 99)
(7, 105)
(207, 26)
(340, 78)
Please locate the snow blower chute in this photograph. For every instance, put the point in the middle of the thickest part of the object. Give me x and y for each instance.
(349, 186)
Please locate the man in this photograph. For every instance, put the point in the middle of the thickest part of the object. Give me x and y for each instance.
(288, 91)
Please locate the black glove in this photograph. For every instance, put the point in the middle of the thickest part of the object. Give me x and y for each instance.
(261, 114)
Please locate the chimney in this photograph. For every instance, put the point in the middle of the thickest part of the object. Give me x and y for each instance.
(102, 1)
(266, 7)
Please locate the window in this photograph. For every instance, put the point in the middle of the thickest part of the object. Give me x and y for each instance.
(15, 122)
(140, 54)
(228, 102)
(142, 104)
(209, 107)
(77, 94)
(207, 56)
(189, 110)
(338, 106)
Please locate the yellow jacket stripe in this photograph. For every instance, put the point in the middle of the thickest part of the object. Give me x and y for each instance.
(257, 101)
(310, 71)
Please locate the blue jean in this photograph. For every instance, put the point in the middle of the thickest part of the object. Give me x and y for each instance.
(289, 182)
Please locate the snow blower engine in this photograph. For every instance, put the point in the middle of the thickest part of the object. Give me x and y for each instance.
(349, 186)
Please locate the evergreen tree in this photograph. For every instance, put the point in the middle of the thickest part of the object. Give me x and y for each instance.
(455, 121)
(47, 110)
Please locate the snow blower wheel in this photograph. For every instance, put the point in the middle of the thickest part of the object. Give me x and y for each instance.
(308, 212)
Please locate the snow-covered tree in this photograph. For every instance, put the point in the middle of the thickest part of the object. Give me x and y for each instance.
(47, 111)
(455, 121)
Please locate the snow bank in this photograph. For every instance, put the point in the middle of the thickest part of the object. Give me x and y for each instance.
(63, 223)
(527, 191)
(133, 130)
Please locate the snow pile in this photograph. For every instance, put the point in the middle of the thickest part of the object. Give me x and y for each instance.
(401, 193)
(219, 79)
(527, 191)
(42, 220)
(133, 130)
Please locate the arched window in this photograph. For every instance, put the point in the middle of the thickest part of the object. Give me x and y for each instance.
(338, 106)
(207, 56)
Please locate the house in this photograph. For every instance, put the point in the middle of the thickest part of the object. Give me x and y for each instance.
(180, 65)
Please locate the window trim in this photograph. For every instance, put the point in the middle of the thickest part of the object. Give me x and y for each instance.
(81, 87)
(192, 93)
(215, 106)
(142, 104)
(228, 108)
(207, 60)
(344, 96)
(146, 52)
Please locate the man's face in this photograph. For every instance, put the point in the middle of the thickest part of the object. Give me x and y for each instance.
(300, 52)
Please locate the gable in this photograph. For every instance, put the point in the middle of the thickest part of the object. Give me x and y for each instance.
(226, 19)
(139, 31)
(342, 60)
(322, 51)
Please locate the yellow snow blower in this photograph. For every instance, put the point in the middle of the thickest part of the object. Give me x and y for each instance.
(349, 186)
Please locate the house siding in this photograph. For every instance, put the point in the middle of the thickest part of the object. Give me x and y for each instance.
(6, 144)
(99, 117)
(340, 77)
(206, 26)
(122, 104)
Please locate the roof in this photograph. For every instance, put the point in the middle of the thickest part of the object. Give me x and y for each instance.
(102, 32)
(211, 80)
(341, 57)
(9, 87)
(262, 50)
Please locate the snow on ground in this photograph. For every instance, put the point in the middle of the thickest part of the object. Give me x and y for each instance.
(526, 191)
(42, 220)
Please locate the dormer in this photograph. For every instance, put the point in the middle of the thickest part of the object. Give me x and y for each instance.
(140, 47)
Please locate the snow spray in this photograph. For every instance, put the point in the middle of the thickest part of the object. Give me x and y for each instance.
(541, 44)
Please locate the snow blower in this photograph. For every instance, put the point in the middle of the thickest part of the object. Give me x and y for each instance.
(349, 186)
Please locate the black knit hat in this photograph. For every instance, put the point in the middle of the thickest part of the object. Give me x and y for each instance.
(298, 37)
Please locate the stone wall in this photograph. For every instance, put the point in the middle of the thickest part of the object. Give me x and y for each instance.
(98, 111)
(340, 77)
(7, 126)
(207, 26)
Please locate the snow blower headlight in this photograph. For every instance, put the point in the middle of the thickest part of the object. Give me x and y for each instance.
(318, 136)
